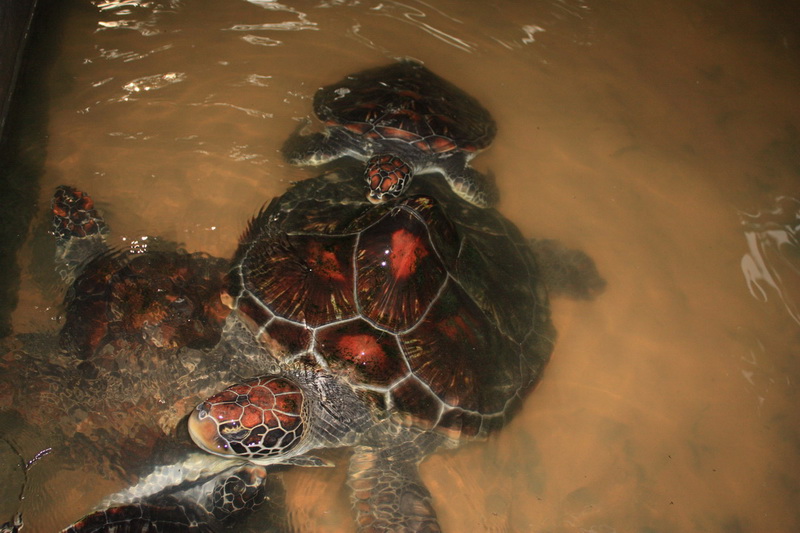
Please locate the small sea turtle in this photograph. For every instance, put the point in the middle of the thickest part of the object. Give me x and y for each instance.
(400, 328)
(403, 120)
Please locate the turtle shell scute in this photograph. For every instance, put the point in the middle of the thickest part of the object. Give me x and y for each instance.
(362, 353)
(399, 271)
(305, 279)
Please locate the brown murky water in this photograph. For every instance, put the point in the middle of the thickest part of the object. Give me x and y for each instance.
(662, 138)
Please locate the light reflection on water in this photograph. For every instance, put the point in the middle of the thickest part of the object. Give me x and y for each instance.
(772, 264)
(657, 137)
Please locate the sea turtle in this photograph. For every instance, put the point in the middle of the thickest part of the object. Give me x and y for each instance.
(165, 298)
(403, 120)
(400, 328)
(139, 347)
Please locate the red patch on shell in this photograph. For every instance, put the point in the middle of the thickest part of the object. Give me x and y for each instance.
(361, 352)
(325, 263)
(396, 133)
(399, 275)
(164, 299)
(408, 251)
(358, 127)
(407, 93)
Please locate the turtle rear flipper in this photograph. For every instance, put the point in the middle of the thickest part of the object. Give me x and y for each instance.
(387, 491)
(567, 272)
(79, 230)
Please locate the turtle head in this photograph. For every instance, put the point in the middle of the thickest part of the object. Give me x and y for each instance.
(263, 420)
(387, 177)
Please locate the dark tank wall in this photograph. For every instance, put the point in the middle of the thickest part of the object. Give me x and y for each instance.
(29, 33)
(15, 19)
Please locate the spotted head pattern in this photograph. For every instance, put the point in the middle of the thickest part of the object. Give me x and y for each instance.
(258, 419)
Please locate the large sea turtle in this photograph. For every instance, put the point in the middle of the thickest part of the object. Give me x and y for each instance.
(403, 120)
(399, 328)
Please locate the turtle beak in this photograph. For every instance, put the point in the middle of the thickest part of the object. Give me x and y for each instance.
(374, 198)
(205, 434)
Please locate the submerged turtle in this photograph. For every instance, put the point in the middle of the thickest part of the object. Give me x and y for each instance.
(126, 341)
(110, 389)
(167, 298)
(400, 328)
(403, 120)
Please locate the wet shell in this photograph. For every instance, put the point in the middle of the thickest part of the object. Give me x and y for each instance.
(429, 305)
(406, 102)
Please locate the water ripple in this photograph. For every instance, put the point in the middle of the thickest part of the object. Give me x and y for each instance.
(261, 41)
(246, 110)
(561, 15)
(302, 23)
(154, 82)
(294, 25)
(772, 264)
(125, 57)
(137, 25)
(416, 17)
(148, 9)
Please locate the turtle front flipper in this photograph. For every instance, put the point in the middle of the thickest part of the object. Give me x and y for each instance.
(79, 230)
(12, 526)
(174, 516)
(200, 494)
(475, 187)
(316, 149)
(387, 491)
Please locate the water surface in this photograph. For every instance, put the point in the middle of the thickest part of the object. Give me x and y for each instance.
(661, 138)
